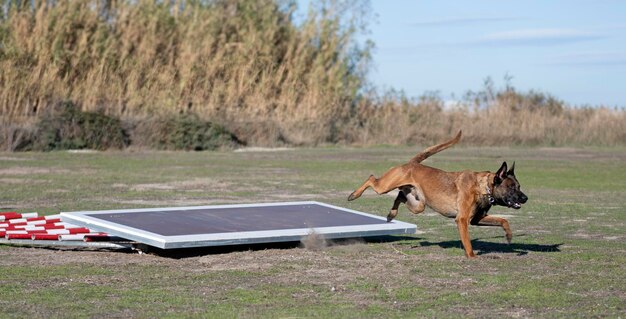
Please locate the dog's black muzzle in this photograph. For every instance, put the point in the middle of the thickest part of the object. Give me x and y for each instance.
(516, 200)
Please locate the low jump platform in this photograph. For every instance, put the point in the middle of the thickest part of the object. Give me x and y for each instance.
(198, 226)
(219, 225)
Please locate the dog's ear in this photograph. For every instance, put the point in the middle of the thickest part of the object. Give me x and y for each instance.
(500, 174)
(511, 172)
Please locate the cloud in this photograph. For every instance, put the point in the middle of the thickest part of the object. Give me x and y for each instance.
(538, 37)
(513, 38)
(601, 58)
(462, 21)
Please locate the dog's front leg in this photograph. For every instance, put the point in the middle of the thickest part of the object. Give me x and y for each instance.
(463, 226)
(462, 222)
(487, 220)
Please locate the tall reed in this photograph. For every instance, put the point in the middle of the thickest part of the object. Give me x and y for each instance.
(238, 62)
(488, 117)
(253, 68)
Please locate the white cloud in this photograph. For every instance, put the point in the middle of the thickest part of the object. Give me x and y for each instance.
(461, 21)
(597, 58)
(538, 37)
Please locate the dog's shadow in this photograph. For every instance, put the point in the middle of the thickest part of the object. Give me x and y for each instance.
(483, 247)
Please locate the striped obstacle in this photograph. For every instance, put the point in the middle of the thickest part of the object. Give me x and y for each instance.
(14, 215)
(31, 226)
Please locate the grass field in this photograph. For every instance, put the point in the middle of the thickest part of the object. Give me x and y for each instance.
(566, 260)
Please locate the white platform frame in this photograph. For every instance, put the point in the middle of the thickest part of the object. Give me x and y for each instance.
(83, 218)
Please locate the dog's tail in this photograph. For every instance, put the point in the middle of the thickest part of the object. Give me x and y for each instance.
(435, 149)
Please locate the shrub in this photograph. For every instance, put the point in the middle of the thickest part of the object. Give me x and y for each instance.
(182, 132)
(66, 127)
(16, 137)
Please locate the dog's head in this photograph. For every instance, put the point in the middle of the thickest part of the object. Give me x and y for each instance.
(506, 188)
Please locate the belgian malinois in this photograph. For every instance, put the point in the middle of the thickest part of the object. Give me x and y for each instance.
(465, 196)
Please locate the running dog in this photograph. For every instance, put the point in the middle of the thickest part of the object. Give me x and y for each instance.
(465, 196)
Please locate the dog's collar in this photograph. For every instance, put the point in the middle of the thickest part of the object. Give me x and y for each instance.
(489, 196)
(488, 192)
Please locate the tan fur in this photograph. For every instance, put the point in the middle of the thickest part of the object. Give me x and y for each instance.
(459, 195)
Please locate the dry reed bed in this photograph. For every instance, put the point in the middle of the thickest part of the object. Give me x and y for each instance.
(249, 67)
(225, 60)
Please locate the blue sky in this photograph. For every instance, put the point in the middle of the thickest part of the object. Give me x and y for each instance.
(572, 49)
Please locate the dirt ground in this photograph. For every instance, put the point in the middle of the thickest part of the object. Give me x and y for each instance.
(337, 263)
(566, 257)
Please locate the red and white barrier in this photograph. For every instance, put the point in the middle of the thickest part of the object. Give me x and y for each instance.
(64, 231)
(34, 227)
(18, 218)
(50, 227)
(44, 237)
(69, 231)
(11, 218)
(47, 217)
(9, 215)
(39, 220)
(78, 236)
(19, 236)
(44, 221)
(13, 232)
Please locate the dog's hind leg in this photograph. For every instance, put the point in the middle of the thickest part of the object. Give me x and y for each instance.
(414, 199)
(359, 191)
(396, 203)
(392, 179)
(486, 220)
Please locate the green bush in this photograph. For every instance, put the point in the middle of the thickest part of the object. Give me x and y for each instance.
(66, 127)
(16, 137)
(182, 132)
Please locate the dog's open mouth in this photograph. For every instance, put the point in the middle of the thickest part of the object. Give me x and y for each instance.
(514, 205)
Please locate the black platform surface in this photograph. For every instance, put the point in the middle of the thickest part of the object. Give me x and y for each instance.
(178, 227)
